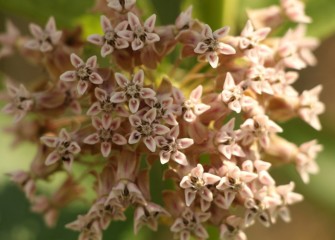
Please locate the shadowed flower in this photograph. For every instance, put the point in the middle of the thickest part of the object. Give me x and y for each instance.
(147, 128)
(164, 108)
(44, 40)
(65, 149)
(88, 226)
(251, 37)
(84, 73)
(295, 11)
(170, 146)
(211, 46)
(20, 102)
(8, 39)
(232, 229)
(190, 222)
(184, 19)
(196, 182)
(121, 5)
(132, 91)
(139, 35)
(106, 134)
(110, 40)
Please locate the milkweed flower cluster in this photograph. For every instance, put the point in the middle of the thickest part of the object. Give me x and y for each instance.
(214, 129)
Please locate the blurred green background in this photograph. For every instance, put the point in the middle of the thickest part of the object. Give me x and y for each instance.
(312, 219)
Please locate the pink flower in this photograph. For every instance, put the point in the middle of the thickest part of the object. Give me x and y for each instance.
(88, 226)
(132, 91)
(256, 209)
(170, 146)
(190, 222)
(44, 40)
(20, 103)
(110, 40)
(121, 5)
(196, 182)
(295, 11)
(25, 181)
(147, 128)
(106, 134)
(211, 45)
(8, 39)
(184, 19)
(310, 106)
(258, 128)
(233, 229)
(84, 73)
(164, 108)
(233, 95)
(226, 140)
(234, 182)
(139, 35)
(65, 149)
(192, 107)
(305, 159)
(105, 106)
(251, 37)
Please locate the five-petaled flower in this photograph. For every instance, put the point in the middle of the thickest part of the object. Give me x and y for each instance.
(84, 73)
(132, 91)
(196, 182)
(211, 45)
(140, 35)
(65, 149)
(170, 146)
(146, 127)
(110, 40)
(106, 134)
(44, 40)
(21, 102)
(251, 37)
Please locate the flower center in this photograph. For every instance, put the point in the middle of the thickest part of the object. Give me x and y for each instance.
(84, 73)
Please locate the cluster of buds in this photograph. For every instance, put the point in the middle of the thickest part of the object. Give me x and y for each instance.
(213, 129)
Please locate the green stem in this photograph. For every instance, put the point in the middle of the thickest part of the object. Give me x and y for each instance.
(230, 14)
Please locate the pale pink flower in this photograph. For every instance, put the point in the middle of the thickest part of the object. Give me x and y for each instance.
(148, 215)
(184, 19)
(88, 226)
(131, 91)
(44, 40)
(164, 108)
(196, 182)
(190, 223)
(110, 40)
(84, 73)
(170, 146)
(147, 128)
(281, 83)
(21, 102)
(258, 128)
(256, 209)
(226, 140)
(106, 134)
(104, 105)
(261, 168)
(233, 229)
(65, 149)
(25, 181)
(234, 182)
(233, 95)
(295, 11)
(211, 46)
(191, 108)
(8, 39)
(310, 107)
(251, 37)
(305, 159)
(139, 35)
(121, 5)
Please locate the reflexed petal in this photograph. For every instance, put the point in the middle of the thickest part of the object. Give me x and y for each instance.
(126, 35)
(97, 123)
(121, 26)
(164, 156)
(95, 78)
(134, 137)
(50, 141)
(121, 80)
(147, 93)
(150, 143)
(149, 24)
(51, 25)
(195, 95)
(180, 158)
(210, 179)
(100, 94)
(91, 62)
(184, 142)
(152, 38)
(235, 106)
(55, 37)
(201, 232)
(161, 129)
(137, 44)
(133, 21)
(95, 109)
(96, 39)
(82, 87)
(220, 33)
(121, 43)
(189, 196)
(118, 97)
(207, 32)
(119, 139)
(134, 104)
(226, 49)
(32, 44)
(206, 194)
(106, 148)
(265, 178)
(52, 158)
(185, 182)
(92, 139)
(135, 121)
(150, 116)
(106, 49)
(36, 31)
(76, 61)
(197, 171)
(69, 76)
(106, 121)
(200, 108)
(45, 47)
(138, 78)
(213, 59)
(229, 197)
(64, 135)
(105, 24)
(74, 148)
